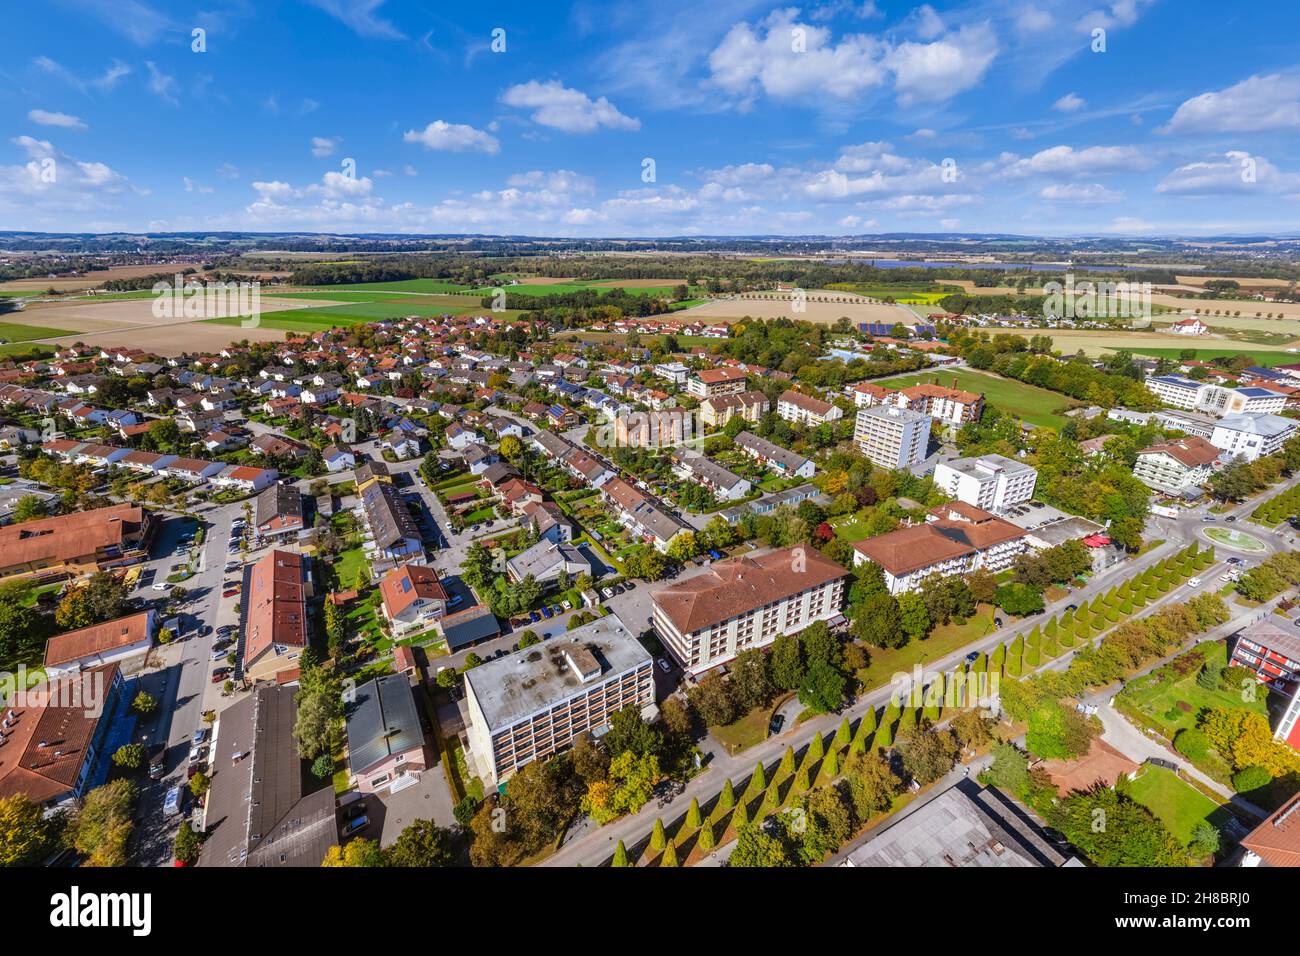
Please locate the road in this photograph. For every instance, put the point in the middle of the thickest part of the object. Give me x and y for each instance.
(593, 847)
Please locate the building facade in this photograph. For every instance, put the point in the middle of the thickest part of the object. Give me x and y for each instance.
(991, 482)
(892, 437)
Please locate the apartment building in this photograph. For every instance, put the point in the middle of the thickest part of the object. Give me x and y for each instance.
(1176, 466)
(716, 412)
(952, 406)
(1250, 399)
(745, 602)
(535, 702)
(394, 537)
(797, 407)
(1272, 653)
(1251, 436)
(273, 614)
(956, 538)
(668, 428)
(716, 381)
(413, 597)
(641, 514)
(77, 544)
(724, 484)
(991, 482)
(780, 460)
(279, 511)
(1178, 391)
(892, 437)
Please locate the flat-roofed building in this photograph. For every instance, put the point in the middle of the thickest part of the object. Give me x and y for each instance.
(1178, 391)
(1176, 466)
(991, 482)
(892, 437)
(535, 702)
(955, 539)
(746, 602)
(1250, 399)
(76, 544)
(1272, 653)
(805, 409)
(1252, 436)
(273, 611)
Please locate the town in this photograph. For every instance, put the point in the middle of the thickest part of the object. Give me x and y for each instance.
(855, 436)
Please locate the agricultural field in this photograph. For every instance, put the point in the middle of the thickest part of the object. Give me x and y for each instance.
(424, 286)
(1035, 405)
(18, 332)
(90, 280)
(634, 286)
(780, 306)
(1158, 343)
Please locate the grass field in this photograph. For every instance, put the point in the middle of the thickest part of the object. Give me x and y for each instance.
(563, 288)
(1266, 359)
(351, 313)
(14, 332)
(1178, 805)
(401, 285)
(1163, 343)
(1035, 405)
(886, 662)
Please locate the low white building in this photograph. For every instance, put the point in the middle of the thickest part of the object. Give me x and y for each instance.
(991, 482)
(1251, 436)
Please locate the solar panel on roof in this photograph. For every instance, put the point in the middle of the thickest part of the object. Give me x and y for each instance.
(406, 585)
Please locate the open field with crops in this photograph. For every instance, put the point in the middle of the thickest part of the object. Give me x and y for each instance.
(1162, 343)
(781, 306)
(88, 281)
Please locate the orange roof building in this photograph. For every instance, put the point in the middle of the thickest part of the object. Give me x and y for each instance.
(273, 607)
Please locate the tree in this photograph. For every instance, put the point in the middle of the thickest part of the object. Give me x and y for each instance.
(872, 784)
(423, 844)
(355, 853)
(101, 826)
(1057, 732)
(1206, 839)
(144, 703)
(786, 663)
(714, 700)
(878, 621)
(186, 847)
(927, 754)
(914, 618)
(823, 687)
(26, 834)
(620, 856)
(323, 767)
(130, 756)
(749, 679)
(29, 508)
(510, 448)
(754, 848)
(683, 547)
(658, 838)
(1009, 770)
(101, 598)
(528, 639)
(199, 783)
(320, 709)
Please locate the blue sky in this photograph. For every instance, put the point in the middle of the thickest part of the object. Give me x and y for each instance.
(651, 118)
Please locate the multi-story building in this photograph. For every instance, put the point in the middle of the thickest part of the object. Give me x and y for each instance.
(273, 614)
(991, 482)
(413, 597)
(535, 702)
(745, 602)
(1251, 399)
(1288, 727)
(892, 437)
(76, 544)
(956, 538)
(797, 407)
(952, 406)
(674, 372)
(716, 412)
(641, 514)
(781, 460)
(1176, 466)
(725, 484)
(716, 381)
(1251, 436)
(393, 531)
(1276, 841)
(1272, 653)
(279, 511)
(1178, 391)
(386, 750)
(663, 429)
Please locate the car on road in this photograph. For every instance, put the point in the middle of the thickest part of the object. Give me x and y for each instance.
(1072, 607)
(775, 724)
(997, 622)
(1193, 582)
(1208, 518)
(972, 657)
(546, 613)
(161, 586)
(665, 666)
(1231, 518)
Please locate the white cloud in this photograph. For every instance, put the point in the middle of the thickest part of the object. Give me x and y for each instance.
(1066, 162)
(934, 72)
(1082, 193)
(192, 187)
(1069, 103)
(1254, 105)
(52, 181)
(564, 181)
(454, 137)
(361, 17)
(1237, 171)
(228, 171)
(160, 84)
(324, 145)
(46, 118)
(560, 107)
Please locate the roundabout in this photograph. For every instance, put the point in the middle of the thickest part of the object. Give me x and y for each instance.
(1235, 540)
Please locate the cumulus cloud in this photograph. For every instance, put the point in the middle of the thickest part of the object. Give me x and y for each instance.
(1254, 105)
(1082, 193)
(563, 108)
(1066, 162)
(453, 138)
(1069, 103)
(51, 180)
(1236, 171)
(63, 120)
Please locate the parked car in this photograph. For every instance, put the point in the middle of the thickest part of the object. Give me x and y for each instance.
(219, 674)
(775, 724)
(230, 593)
(534, 617)
(454, 600)
(220, 653)
(356, 825)
(607, 592)
(665, 666)
(546, 613)
(1193, 582)
(172, 802)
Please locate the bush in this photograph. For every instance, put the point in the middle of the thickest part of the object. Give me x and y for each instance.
(1192, 744)
(1252, 778)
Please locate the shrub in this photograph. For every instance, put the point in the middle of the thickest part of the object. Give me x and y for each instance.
(1192, 744)
(1252, 778)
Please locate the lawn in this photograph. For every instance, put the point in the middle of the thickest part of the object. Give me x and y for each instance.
(849, 528)
(348, 564)
(1158, 697)
(1035, 405)
(744, 733)
(1177, 804)
(886, 662)
(1265, 359)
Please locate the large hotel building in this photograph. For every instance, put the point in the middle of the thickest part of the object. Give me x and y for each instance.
(745, 602)
(535, 702)
(892, 437)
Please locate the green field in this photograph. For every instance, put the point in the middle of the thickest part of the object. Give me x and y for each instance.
(15, 332)
(400, 285)
(1178, 805)
(1035, 405)
(1265, 359)
(338, 316)
(564, 288)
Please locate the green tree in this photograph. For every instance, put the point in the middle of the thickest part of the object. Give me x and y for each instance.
(423, 844)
